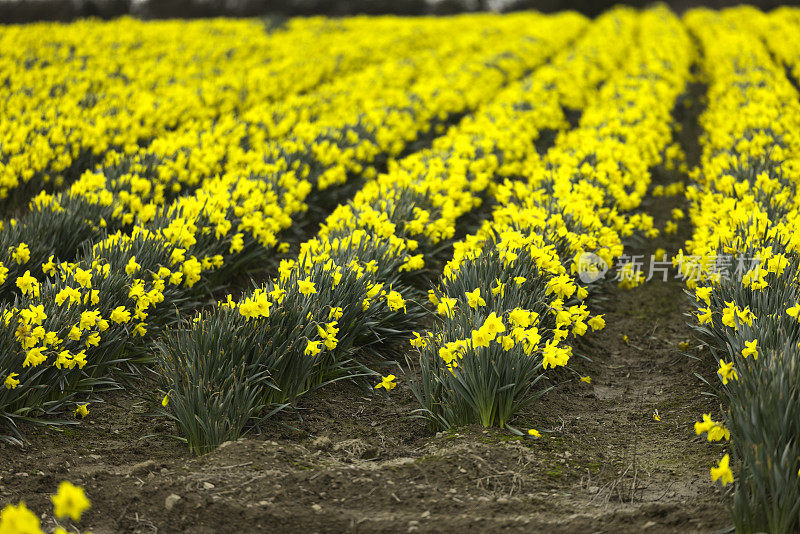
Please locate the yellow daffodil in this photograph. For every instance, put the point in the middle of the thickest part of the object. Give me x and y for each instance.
(306, 287)
(727, 372)
(11, 381)
(474, 298)
(750, 349)
(387, 382)
(70, 501)
(723, 471)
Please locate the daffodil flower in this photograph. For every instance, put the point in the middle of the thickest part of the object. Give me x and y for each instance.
(387, 382)
(81, 410)
(70, 501)
(723, 471)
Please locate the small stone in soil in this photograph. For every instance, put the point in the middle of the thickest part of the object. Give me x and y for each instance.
(171, 501)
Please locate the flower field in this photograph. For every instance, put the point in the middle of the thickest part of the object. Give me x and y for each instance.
(491, 272)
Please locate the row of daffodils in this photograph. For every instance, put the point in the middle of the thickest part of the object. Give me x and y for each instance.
(72, 329)
(512, 296)
(358, 287)
(742, 260)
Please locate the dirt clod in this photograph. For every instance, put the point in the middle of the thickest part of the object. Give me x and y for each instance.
(322, 443)
(171, 501)
(142, 468)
